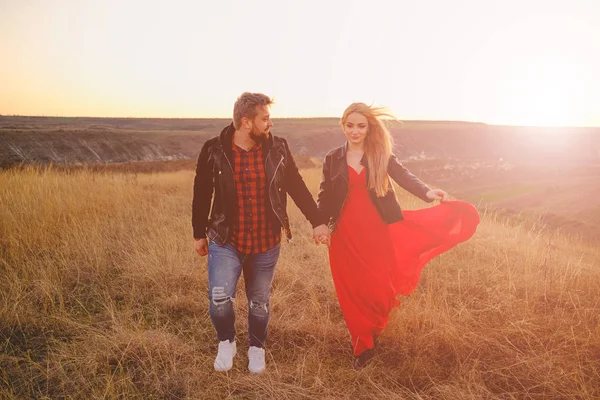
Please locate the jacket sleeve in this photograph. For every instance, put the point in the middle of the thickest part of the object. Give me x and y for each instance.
(325, 190)
(407, 180)
(295, 186)
(203, 191)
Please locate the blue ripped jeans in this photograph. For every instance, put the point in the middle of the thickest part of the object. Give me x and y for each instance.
(225, 265)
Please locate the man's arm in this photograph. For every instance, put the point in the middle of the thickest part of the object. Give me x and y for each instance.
(298, 191)
(203, 190)
(324, 196)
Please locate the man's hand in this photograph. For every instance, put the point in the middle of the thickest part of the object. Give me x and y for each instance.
(201, 246)
(437, 194)
(321, 234)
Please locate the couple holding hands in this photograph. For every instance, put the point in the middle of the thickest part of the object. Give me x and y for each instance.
(376, 250)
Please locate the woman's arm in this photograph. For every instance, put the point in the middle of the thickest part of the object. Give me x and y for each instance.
(296, 188)
(407, 180)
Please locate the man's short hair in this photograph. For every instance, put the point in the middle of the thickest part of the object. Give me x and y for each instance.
(245, 106)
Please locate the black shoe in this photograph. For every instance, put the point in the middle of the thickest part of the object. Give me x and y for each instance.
(363, 358)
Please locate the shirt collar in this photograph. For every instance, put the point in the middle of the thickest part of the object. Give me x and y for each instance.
(238, 149)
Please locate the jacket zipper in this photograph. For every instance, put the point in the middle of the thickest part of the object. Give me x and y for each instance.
(271, 200)
(347, 188)
(229, 163)
(343, 203)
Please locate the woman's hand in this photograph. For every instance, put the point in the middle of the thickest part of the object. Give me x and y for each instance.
(321, 234)
(437, 194)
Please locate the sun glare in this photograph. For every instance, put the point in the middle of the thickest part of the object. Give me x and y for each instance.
(547, 92)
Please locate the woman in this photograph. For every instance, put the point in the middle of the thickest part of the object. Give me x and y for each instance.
(377, 250)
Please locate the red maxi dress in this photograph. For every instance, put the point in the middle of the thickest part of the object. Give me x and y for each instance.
(372, 262)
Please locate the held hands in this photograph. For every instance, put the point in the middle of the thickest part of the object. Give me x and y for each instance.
(321, 234)
(201, 247)
(437, 194)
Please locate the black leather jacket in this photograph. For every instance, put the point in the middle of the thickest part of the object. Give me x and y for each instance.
(334, 187)
(214, 173)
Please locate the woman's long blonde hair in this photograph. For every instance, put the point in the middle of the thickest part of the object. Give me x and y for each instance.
(378, 144)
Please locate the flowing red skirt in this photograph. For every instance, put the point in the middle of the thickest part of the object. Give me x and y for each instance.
(373, 262)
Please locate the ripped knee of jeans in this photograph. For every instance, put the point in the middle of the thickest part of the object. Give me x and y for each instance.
(259, 308)
(219, 297)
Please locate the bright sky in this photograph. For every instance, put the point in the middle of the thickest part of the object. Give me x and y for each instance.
(530, 62)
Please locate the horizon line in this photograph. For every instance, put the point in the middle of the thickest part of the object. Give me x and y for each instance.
(440, 121)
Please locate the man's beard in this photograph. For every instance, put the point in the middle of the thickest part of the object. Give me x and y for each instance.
(258, 137)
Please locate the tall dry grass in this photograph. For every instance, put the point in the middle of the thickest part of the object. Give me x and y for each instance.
(102, 296)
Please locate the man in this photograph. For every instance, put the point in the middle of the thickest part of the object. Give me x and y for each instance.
(250, 172)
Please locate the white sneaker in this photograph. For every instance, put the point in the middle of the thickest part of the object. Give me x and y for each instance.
(224, 360)
(256, 359)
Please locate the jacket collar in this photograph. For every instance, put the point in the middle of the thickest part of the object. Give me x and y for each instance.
(340, 154)
(226, 138)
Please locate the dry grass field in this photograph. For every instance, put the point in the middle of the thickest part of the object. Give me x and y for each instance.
(102, 297)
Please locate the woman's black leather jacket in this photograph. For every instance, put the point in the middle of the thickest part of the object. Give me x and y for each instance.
(334, 187)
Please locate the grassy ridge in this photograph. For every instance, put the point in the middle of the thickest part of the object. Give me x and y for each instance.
(101, 296)
(100, 140)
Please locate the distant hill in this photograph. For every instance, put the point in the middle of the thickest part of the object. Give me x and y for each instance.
(74, 140)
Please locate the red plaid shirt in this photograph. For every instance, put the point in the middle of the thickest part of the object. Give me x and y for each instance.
(253, 232)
